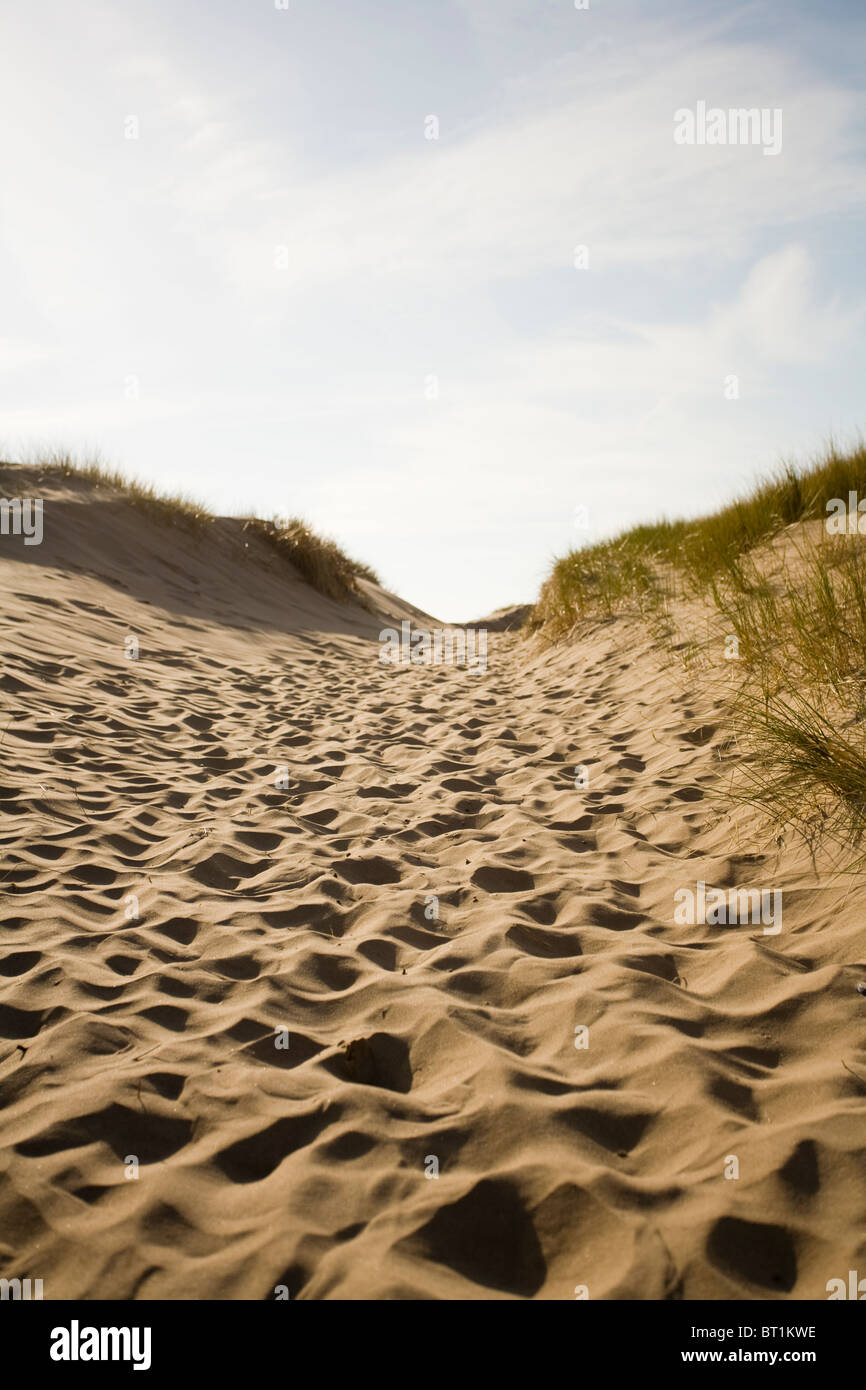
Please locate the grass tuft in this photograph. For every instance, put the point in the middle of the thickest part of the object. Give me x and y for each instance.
(318, 559)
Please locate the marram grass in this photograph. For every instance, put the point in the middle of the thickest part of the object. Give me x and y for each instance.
(794, 615)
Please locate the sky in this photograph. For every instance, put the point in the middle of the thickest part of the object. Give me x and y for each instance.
(434, 274)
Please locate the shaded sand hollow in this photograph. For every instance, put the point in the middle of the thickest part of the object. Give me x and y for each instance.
(430, 908)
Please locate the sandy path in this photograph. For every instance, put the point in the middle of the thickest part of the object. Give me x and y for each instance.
(168, 908)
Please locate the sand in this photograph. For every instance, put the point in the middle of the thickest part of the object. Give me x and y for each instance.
(423, 916)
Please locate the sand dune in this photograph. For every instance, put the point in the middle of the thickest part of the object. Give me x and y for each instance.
(430, 908)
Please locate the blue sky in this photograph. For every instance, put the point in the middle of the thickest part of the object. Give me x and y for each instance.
(282, 297)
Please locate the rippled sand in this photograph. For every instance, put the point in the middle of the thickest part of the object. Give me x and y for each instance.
(430, 909)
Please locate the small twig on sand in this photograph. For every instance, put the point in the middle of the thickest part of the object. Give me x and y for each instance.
(855, 1074)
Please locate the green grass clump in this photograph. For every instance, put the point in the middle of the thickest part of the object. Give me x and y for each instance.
(604, 579)
(319, 560)
(805, 767)
(636, 567)
(797, 611)
(804, 627)
(801, 706)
